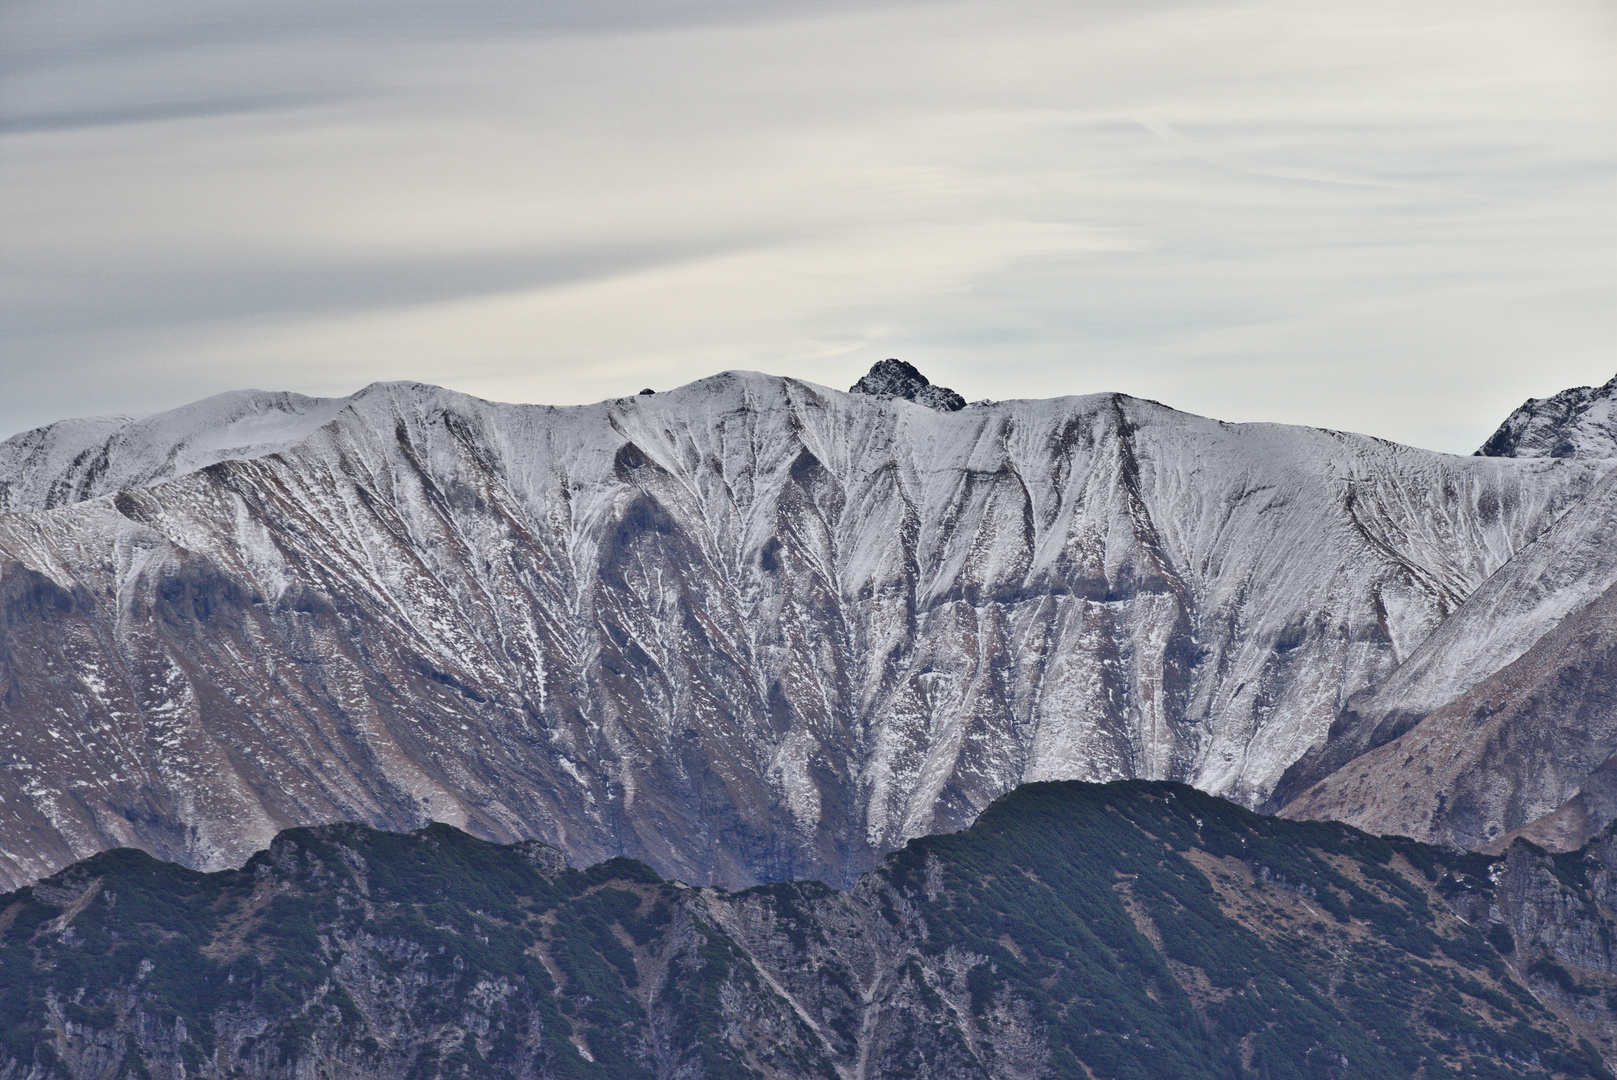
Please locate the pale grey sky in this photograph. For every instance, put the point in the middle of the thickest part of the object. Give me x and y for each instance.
(1386, 217)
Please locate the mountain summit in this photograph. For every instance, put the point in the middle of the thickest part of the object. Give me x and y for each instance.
(892, 378)
(1576, 423)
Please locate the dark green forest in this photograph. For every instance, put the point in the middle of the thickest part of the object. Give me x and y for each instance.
(1129, 930)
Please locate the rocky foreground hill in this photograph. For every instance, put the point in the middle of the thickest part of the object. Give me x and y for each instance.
(1129, 930)
(755, 629)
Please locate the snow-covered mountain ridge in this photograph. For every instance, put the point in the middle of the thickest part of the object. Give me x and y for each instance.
(74, 460)
(749, 628)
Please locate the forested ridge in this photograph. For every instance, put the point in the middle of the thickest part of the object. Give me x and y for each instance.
(1135, 929)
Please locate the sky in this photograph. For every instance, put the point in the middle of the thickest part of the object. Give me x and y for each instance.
(1388, 217)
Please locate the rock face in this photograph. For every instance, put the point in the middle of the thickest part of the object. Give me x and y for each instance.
(896, 379)
(1556, 912)
(1576, 423)
(1135, 929)
(745, 630)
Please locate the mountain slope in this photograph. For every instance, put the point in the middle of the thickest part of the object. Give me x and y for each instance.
(1509, 751)
(1131, 930)
(1509, 709)
(745, 630)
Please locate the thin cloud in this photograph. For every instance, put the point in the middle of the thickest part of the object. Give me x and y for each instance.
(154, 113)
(1366, 216)
(1203, 152)
(229, 292)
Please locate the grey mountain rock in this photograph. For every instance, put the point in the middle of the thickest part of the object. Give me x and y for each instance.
(747, 629)
(1504, 720)
(1558, 911)
(1511, 697)
(1592, 810)
(1576, 423)
(895, 379)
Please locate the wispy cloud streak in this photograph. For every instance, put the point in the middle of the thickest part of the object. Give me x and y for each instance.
(1373, 215)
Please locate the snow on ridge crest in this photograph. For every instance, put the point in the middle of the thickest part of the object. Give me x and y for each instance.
(74, 460)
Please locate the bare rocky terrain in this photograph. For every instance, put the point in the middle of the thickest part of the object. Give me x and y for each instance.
(1438, 753)
(1576, 423)
(754, 629)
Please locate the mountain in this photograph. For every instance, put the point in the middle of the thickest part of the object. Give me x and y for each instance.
(1576, 423)
(1504, 720)
(745, 630)
(1129, 930)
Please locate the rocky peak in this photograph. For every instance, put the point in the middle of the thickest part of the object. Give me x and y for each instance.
(895, 379)
(1576, 423)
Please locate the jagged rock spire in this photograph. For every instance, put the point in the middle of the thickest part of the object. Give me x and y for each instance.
(893, 378)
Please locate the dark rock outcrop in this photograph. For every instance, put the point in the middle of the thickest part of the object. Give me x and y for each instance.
(895, 379)
(1558, 912)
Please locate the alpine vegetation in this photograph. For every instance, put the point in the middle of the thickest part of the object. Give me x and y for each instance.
(1129, 930)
